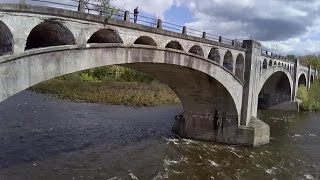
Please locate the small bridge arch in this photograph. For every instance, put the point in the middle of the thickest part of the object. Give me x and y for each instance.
(49, 33)
(105, 36)
(228, 61)
(6, 40)
(302, 80)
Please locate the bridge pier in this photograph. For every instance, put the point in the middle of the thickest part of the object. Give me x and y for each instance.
(221, 128)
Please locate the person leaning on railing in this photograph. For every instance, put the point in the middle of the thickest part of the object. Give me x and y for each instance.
(136, 12)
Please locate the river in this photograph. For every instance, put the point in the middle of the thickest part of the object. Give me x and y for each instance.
(43, 138)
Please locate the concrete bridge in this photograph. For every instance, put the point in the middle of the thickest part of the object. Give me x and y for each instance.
(220, 84)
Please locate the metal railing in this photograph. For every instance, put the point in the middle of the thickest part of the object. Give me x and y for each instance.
(96, 9)
(268, 53)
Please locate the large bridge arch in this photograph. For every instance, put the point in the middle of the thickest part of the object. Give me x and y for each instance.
(47, 63)
(275, 87)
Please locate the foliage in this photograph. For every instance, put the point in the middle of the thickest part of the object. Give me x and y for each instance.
(111, 73)
(291, 57)
(310, 99)
(312, 60)
(109, 85)
(103, 7)
(107, 92)
(23, 2)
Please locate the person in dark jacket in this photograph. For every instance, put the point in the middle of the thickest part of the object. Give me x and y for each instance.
(136, 12)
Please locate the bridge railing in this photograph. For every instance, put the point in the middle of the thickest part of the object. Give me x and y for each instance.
(270, 54)
(96, 9)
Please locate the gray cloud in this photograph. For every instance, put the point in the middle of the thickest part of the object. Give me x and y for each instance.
(266, 21)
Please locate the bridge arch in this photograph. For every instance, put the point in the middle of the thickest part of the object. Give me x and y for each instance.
(270, 63)
(49, 33)
(275, 63)
(265, 64)
(105, 36)
(174, 45)
(145, 40)
(302, 81)
(214, 55)
(228, 61)
(191, 77)
(240, 67)
(275, 87)
(6, 40)
(311, 78)
(196, 49)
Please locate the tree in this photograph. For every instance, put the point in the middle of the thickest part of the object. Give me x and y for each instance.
(101, 7)
(291, 57)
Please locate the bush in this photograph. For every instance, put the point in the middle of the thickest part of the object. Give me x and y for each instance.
(310, 99)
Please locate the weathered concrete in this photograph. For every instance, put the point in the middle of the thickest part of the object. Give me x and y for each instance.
(220, 85)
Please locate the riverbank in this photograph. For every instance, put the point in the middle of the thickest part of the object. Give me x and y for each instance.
(310, 99)
(109, 92)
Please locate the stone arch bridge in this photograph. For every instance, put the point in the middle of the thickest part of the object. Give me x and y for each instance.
(221, 85)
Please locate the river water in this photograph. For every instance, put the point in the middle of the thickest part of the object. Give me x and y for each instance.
(43, 138)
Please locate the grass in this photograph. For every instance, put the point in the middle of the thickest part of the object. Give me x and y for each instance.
(109, 92)
(310, 99)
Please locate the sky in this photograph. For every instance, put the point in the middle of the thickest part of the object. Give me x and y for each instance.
(283, 26)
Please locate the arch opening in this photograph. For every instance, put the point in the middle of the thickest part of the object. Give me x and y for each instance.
(105, 36)
(145, 40)
(205, 97)
(275, 63)
(6, 40)
(240, 67)
(214, 55)
(270, 63)
(311, 78)
(276, 90)
(302, 80)
(228, 61)
(265, 64)
(49, 33)
(196, 49)
(279, 64)
(174, 45)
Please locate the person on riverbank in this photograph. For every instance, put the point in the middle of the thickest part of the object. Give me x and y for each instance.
(136, 12)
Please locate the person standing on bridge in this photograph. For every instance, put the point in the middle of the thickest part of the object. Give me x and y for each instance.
(136, 12)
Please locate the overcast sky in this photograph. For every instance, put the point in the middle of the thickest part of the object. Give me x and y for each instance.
(285, 26)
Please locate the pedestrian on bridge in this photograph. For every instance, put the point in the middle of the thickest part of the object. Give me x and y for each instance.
(136, 12)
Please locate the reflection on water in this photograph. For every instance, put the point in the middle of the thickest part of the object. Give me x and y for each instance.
(42, 138)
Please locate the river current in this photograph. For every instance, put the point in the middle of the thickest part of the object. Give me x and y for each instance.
(42, 138)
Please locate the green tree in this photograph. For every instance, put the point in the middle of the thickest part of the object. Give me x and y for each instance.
(103, 7)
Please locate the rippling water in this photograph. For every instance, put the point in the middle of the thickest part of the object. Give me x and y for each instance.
(44, 138)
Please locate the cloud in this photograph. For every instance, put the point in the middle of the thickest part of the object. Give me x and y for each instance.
(152, 7)
(293, 25)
